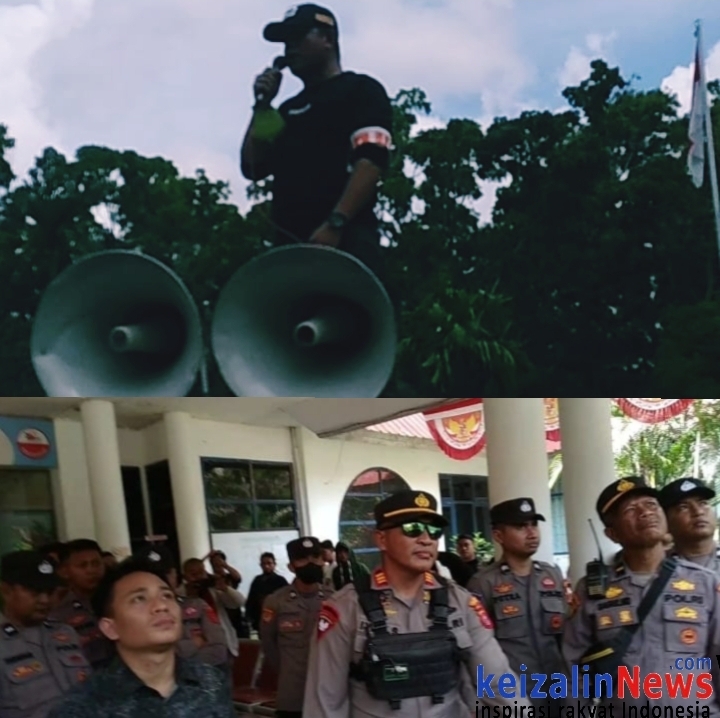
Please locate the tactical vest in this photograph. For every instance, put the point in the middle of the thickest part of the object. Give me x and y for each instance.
(407, 665)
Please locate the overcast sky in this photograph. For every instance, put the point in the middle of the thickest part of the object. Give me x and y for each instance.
(173, 77)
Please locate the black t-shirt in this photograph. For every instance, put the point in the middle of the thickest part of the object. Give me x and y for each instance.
(313, 155)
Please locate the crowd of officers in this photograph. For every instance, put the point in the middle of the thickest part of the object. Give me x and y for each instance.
(402, 641)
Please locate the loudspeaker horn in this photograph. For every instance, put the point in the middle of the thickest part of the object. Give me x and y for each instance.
(305, 320)
(117, 323)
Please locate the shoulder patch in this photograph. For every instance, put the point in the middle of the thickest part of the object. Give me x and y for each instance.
(267, 615)
(327, 619)
(477, 606)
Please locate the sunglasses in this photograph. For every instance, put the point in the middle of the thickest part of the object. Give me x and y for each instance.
(413, 529)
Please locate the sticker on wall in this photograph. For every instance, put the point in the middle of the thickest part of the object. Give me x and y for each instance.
(33, 444)
(27, 442)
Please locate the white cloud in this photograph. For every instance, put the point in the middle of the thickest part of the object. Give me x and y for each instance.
(679, 82)
(577, 65)
(173, 77)
(103, 214)
(24, 30)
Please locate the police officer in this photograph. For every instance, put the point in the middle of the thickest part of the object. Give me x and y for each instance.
(203, 637)
(40, 660)
(692, 521)
(406, 636)
(289, 618)
(684, 620)
(525, 598)
(82, 567)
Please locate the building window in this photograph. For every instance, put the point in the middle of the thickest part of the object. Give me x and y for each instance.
(249, 495)
(27, 516)
(357, 520)
(465, 504)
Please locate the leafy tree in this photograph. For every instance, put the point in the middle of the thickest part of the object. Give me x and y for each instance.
(597, 273)
(674, 448)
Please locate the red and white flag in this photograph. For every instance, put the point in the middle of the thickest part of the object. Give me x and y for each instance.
(696, 156)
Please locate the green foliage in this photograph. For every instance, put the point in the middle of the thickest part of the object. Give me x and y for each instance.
(598, 272)
(668, 451)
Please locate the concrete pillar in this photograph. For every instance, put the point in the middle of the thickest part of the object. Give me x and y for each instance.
(588, 466)
(187, 486)
(517, 459)
(106, 487)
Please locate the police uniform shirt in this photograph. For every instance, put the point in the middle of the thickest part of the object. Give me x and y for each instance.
(529, 613)
(78, 613)
(340, 641)
(200, 620)
(312, 155)
(683, 623)
(38, 665)
(709, 561)
(117, 692)
(288, 622)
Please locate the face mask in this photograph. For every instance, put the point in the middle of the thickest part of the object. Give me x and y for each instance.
(312, 573)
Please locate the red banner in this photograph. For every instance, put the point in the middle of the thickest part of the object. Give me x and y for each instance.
(653, 411)
(552, 420)
(458, 429)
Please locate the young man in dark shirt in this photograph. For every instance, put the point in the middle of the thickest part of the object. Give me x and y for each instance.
(139, 612)
(262, 586)
(329, 156)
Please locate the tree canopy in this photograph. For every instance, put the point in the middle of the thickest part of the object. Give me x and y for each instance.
(598, 271)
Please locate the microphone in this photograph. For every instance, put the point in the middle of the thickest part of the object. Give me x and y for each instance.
(279, 64)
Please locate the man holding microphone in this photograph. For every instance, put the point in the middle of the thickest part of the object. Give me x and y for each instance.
(329, 145)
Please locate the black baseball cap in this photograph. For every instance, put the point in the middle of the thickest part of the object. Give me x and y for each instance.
(31, 569)
(514, 512)
(407, 506)
(303, 547)
(620, 489)
(298, 21)
(674, 492)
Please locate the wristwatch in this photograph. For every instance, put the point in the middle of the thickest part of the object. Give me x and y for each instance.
(337, 220)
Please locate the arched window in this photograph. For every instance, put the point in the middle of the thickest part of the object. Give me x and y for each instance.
(357, 521)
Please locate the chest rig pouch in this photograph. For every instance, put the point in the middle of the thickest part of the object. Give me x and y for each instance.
(407, 665)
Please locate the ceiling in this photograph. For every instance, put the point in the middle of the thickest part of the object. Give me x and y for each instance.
(325, 417)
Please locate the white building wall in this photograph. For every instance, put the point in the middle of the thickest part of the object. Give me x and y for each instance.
(332, 464)
(329, 467)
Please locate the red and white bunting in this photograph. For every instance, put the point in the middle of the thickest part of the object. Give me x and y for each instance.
(458, 429)
(552, 420)
(653, 411)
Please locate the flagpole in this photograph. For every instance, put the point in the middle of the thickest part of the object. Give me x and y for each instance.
(709, 134)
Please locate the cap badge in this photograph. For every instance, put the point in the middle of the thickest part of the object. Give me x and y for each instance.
(421, 501)
(687, 486)
(291, 12)
(525, 507)
(325, 19)
(45, 568)
(625, 485)
(307, 543)
(154, 556)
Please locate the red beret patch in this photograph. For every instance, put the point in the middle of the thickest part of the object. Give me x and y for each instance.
(328, 618)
